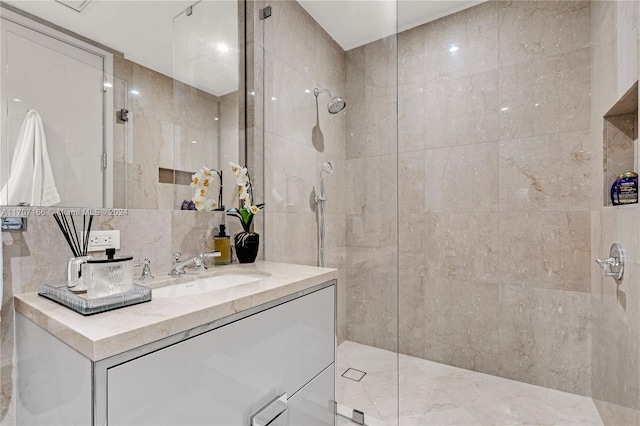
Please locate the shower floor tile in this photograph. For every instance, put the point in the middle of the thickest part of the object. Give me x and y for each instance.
(438, 394)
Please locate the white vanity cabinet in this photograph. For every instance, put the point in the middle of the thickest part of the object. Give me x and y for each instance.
(221, 373)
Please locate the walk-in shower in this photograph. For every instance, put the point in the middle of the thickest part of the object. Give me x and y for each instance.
(465, 209)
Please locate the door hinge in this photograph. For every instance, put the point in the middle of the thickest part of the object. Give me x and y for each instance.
(104, 161)
(265, 12)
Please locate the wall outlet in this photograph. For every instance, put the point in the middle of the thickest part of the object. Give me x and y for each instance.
(102, 240)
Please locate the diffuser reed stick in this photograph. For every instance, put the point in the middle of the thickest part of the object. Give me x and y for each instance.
(86, 235)
(77, 244)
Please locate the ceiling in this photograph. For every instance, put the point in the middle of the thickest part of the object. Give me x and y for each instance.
(145, 30)
(354, 23)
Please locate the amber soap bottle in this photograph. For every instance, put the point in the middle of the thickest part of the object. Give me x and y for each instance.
(222, 243)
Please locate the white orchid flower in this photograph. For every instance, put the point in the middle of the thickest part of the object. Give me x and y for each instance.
(254, 209)
(199, 202)
(235, 167)
(205, 171)
(209, 205)
(196, 180)
(242, 181)
(243, 194)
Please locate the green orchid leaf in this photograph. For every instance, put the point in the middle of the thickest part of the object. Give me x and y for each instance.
(234, 212)
(246, 214)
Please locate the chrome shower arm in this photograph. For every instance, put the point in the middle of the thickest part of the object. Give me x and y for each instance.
(317, 92)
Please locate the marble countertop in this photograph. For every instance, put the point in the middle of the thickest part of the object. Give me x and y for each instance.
(109, 333)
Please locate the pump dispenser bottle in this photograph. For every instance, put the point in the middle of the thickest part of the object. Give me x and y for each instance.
(222, 243)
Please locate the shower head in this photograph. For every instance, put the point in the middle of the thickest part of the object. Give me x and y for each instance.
(336, 103)
(327, 167)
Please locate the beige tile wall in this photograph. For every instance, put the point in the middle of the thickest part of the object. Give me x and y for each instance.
(615, 306)
(494, 169)
(371, 207)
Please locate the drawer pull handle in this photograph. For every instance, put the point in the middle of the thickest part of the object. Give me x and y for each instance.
(270, 412)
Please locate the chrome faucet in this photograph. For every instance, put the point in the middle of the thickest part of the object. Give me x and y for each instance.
(197, 262)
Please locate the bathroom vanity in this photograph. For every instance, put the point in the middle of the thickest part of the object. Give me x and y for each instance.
(242, 355)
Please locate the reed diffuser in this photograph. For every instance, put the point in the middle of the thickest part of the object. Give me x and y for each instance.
(77, 244)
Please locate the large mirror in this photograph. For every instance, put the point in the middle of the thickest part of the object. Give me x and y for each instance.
(117, 103)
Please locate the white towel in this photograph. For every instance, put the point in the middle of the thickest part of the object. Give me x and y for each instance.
(31, 178)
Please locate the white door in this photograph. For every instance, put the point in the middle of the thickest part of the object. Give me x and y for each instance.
(64, 84)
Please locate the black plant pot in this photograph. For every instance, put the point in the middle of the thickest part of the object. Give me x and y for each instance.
(247, 245)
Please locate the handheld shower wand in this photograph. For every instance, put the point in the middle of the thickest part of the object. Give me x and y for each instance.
(327, 168)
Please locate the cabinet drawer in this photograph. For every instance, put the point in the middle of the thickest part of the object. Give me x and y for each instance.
(314, 404)
(225, 375)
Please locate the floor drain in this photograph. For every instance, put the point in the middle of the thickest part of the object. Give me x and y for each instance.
(353, 374)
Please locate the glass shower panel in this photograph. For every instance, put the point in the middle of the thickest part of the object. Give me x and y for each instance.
(305, 67)
(495, 152)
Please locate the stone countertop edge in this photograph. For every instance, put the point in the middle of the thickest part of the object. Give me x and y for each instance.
(109, 333)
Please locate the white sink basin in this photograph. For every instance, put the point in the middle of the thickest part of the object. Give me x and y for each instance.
(203, 285)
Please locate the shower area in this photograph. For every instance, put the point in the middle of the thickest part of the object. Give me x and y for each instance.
(467, 200)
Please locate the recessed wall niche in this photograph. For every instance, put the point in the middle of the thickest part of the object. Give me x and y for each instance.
(620, 140)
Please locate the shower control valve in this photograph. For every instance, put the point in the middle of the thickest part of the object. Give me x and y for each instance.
(613, 266)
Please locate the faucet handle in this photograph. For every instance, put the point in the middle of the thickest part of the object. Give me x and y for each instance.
(613, 266)
(146, 269)
(202, 257)
(176, 257)
(199, 263)
(605, 263)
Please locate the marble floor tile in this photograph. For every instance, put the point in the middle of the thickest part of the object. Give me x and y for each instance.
(428, 393)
